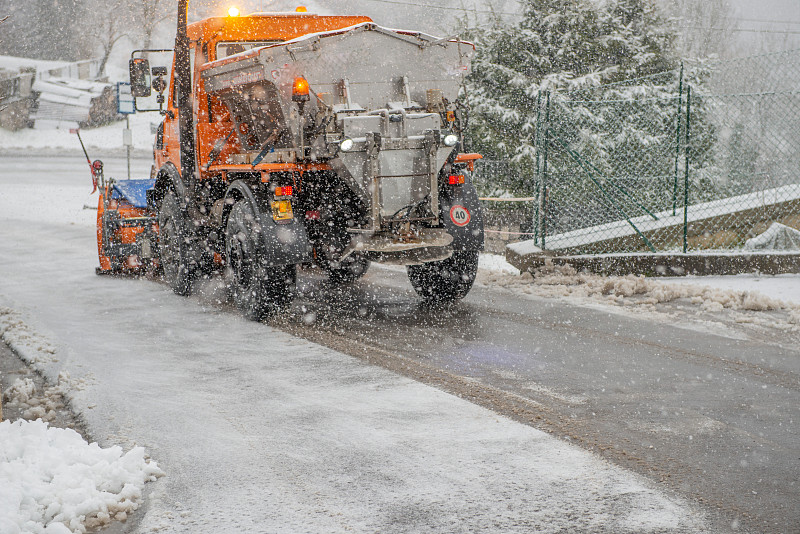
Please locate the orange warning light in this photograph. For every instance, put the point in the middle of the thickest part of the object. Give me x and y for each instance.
(300, 90)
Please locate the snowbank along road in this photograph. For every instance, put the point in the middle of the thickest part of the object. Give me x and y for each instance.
(259, 430)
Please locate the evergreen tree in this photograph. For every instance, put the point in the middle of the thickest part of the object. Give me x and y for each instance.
(742, 158)
(559, 44)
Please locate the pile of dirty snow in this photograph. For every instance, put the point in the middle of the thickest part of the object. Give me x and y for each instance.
(54, 482)
(564, 281)
(33, 404)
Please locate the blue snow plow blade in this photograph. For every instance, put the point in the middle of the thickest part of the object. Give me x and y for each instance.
(134, 191)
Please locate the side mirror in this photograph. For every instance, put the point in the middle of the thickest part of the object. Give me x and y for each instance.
(139, 69)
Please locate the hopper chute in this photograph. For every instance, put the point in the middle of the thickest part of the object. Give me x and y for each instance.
(387, 91)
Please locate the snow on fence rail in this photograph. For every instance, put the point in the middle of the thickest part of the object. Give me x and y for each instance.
(705, 218)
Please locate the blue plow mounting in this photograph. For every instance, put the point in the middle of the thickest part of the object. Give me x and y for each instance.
(134, 191)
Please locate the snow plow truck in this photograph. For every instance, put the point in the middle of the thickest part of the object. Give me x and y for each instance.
(290, 139)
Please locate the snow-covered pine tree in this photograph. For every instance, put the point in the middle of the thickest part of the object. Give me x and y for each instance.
(564, 46)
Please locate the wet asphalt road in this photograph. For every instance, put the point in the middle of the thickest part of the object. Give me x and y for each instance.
(713, 418)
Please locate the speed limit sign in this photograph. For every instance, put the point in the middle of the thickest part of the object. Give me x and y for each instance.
(460, 215)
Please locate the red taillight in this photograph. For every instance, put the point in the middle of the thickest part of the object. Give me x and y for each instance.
(455, 179)
(283, 191)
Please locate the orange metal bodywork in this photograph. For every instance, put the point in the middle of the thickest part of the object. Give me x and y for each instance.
(126, 235)
(212, 119)
(469, 159)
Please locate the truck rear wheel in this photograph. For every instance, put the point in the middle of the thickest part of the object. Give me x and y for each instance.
(445, 280)
(174, 246)
(258, 291)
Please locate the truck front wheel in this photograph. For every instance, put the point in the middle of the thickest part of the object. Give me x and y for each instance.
(174, 246)
(258, 290)
(445, 280)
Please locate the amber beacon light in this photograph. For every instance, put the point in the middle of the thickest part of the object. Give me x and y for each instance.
(300, 90)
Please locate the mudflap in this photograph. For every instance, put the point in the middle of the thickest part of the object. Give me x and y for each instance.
(462, 216)
(281, 242)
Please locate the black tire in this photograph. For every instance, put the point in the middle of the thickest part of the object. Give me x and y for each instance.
(175, 246)
(257, 290)
(351, 269)
(446, 280)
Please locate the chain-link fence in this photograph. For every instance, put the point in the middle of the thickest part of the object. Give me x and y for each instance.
(704, 157)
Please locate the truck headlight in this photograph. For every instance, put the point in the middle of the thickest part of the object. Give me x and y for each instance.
(346, 145)
(450, 140)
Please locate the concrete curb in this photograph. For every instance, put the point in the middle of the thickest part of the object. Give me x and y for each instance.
(666, 264)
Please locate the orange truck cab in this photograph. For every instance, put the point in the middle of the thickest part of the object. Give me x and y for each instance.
(213, 39)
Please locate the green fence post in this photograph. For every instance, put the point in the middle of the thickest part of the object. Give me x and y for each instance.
(686, 171)
(543, 186)
(677, 141)
(538, 144)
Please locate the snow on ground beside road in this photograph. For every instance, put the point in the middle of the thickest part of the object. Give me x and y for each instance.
(496, 263)
(722, 304)
(783, 287)
(108, 137)
(16, 334)
(53, 482)
(762, 291)
(50, 477)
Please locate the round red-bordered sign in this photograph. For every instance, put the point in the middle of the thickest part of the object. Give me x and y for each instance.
(460, 215)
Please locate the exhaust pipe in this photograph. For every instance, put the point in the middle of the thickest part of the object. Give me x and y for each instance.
(184, 87)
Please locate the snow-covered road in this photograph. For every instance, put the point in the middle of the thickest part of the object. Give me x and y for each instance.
(259, 431)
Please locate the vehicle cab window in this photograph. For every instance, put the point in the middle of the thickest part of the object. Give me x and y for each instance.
(229, 48)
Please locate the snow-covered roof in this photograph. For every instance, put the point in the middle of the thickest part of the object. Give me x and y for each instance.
(16, 63)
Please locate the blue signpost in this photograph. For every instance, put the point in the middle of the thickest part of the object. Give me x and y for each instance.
(126, 105)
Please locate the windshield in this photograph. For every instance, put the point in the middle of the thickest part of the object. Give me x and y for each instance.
(229, 48)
